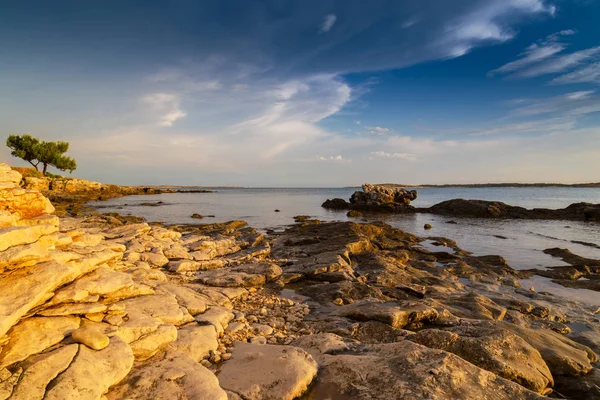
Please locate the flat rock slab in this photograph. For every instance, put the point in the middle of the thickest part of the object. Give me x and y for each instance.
(33, 335)
(92, 372)
(171, 375)
(196, 341)
(40, 370)
(245, 275)
(28, 287)
(268, 372)
(395, 314)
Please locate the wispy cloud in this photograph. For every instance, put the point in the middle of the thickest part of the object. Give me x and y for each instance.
(587, 74)
(543, 58)
(331, 158)
(328, 22)
(403, 156)
(167, 104)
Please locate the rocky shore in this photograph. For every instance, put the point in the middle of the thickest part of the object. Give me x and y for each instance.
(384, 199)
(106, 307)
(69, 195)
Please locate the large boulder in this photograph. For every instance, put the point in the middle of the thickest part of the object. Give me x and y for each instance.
(498, 351)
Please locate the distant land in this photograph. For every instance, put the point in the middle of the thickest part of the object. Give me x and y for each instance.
(494, 185)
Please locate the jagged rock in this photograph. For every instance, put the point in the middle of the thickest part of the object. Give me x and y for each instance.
(92, 372)
(171, 375)
(196, 341)
(8, 380)
(497, 351)
(33, 335)
(92, 338)
(245, 275)
(148, 345)
(395, 314)
(268, 372)
(42, 369)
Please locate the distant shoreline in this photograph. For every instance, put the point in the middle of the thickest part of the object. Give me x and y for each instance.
(494, 185)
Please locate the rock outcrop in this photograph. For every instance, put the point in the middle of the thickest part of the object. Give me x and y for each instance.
(497, 209)
(378, 198)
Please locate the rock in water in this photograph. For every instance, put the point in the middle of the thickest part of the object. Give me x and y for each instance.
(377, 198)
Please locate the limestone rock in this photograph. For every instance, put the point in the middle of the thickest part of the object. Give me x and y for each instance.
(217, 316)
(497, 351)
(33, 335)
(406, 370)
(397, 315)
(27, 287)
(40, 370)
(196, 341)
(18, 235)
(92, 372)
(148, 345)
(172, 375)
(163, 308)
(255, 274)
(92, 338)
(268, 372)
(73, 309)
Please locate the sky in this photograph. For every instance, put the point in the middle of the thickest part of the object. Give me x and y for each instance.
(307, 92)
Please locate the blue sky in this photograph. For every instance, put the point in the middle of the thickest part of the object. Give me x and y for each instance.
(308, 93)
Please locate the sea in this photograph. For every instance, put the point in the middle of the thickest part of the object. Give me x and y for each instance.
(520, 242)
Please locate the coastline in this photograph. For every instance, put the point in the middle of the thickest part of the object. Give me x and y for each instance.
(307, 311)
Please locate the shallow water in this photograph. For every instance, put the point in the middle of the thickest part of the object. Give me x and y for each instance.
(522, 248)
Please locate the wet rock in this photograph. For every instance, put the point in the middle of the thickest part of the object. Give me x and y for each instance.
(354, 214)
(268, 372)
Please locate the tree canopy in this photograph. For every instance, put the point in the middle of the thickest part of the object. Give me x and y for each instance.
(36, 152)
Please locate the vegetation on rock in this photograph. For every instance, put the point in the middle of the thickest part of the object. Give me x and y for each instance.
(36, 152)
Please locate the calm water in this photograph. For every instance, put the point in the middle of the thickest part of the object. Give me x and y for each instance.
(522, 247)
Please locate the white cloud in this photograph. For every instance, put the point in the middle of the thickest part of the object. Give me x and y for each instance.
(579, 95)
(328, 22)
(167, 104)
(543, 58)
(403, 156)
(561, 63)
(587, 74)
(331, 158)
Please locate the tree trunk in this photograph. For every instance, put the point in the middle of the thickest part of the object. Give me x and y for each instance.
(45, 168)
(34, 165)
